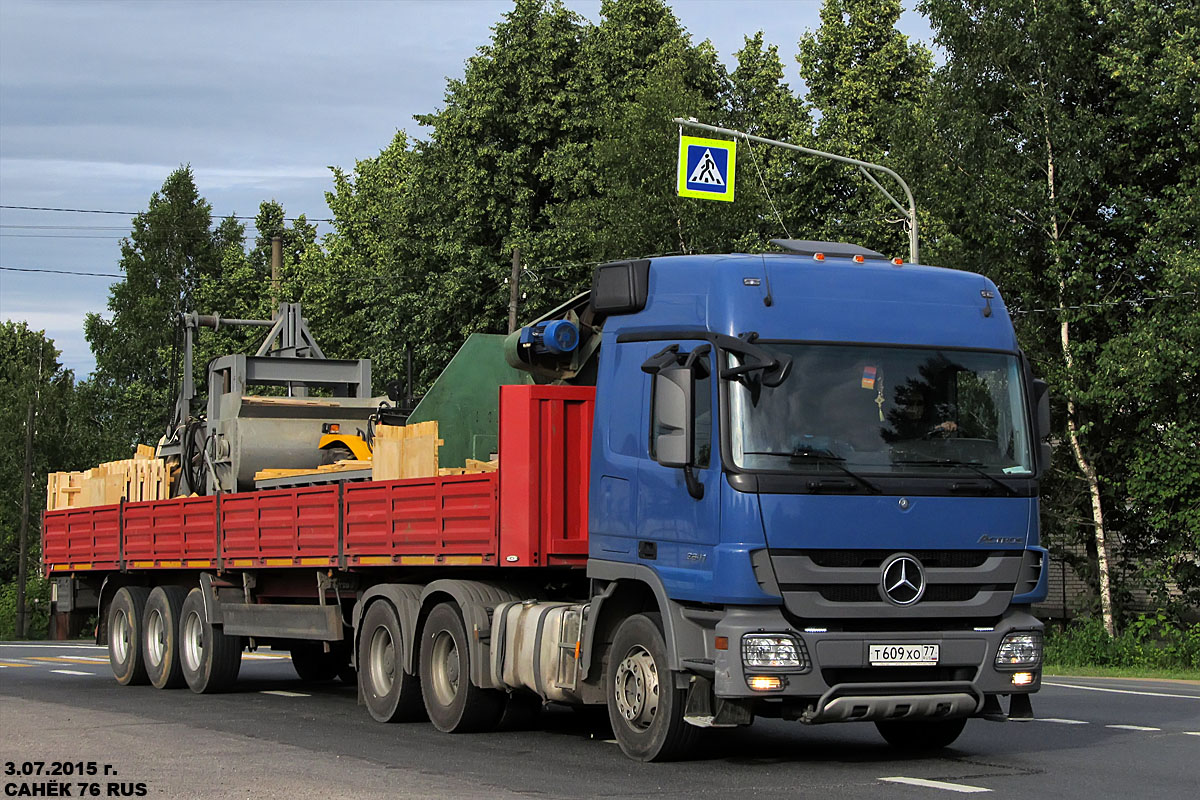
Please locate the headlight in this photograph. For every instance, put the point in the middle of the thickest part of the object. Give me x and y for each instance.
(774, 651)
(1022, 649)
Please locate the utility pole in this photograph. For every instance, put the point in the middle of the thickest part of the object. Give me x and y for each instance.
(513, 289)
(276, 264)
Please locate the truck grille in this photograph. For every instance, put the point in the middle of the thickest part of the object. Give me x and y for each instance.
(844, 584)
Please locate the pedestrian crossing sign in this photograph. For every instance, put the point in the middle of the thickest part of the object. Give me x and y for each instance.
(706, 168)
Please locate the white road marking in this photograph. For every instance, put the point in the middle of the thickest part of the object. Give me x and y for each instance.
(1121, 691)
(1062, 721)
(281, 693)
(1133, 728)
(55, 646)
(950, 787)
(71, 672)
(1191, 733)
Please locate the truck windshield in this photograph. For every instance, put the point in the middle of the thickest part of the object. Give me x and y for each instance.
(883, 410)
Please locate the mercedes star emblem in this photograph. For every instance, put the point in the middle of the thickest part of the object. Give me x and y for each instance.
(903, 580)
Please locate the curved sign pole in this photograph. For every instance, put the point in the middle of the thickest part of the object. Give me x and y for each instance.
(910, 213)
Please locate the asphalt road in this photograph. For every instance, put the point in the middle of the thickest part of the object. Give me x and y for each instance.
(275, 737)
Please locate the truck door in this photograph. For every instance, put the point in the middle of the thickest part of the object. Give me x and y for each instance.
(676, 530)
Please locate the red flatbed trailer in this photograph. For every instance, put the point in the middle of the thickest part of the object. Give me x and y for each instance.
(532, 512)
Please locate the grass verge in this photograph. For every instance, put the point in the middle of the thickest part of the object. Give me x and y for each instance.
(1055, 670)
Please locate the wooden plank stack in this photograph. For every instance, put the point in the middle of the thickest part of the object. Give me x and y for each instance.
(405, 451)
(142, 477)
(339, 466)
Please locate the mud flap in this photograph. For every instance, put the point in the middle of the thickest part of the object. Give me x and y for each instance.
(704, 710)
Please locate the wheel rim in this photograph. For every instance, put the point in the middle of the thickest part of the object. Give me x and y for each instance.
(382, 661)
(636, 688)
(446, 668)
(121, 630)
(193, 641)
(156, 637)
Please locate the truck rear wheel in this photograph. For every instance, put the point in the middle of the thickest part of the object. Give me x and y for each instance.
(454, 704)
(644, 707)
(390, 693)
(126, 613)
(915, 736)
(160, 636)
(210, 659)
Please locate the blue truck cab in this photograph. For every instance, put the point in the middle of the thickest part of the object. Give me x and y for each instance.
(823, 467)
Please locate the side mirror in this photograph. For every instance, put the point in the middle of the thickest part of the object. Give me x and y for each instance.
(674, 427)
(1041, 395)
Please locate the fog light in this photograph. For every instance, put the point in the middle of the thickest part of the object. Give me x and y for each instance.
(1020, 649)
(774, 651)
(765, 683)
(1022, 678)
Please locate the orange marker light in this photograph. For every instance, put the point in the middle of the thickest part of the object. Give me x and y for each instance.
(818, 256)
(721, 643)
(765, 683)
(897, 261)
(334, 427)
(859, 259)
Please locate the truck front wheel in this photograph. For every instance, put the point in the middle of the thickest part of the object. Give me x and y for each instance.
(210, 659)
(390, 693)
(917, 736)
(126, 615)
(160, 637)
(455, 705)
(644, 707)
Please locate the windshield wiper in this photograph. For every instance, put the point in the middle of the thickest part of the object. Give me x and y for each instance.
(973, 466)
(821, 456)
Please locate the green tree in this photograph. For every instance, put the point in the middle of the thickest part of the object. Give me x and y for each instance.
(868, 83)
(165, 259)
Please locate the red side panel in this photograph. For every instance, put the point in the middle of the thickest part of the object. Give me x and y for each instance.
(280, 528)
(82, 538)
(545, 453)
(171, 533)
(448, 520)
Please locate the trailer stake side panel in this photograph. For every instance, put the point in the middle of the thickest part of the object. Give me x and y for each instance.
(82, 539)
(170, 534)
(422, 521)
(280, 528)
(531, 512)
(545, 456)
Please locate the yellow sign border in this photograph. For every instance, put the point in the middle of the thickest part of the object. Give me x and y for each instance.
(729, 146)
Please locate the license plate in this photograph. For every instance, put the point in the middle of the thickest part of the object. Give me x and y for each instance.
(910, 654)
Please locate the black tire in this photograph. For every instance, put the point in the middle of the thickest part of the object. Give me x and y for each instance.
(210, 659)
(314, 665)
(335, 453)
(125, 615)
(454, 704)
(644, 707)
(389, 693)
(920, 736)
(160, 636)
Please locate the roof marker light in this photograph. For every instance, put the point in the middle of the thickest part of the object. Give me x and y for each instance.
(859, 259)
(818, 256)
(897, 261)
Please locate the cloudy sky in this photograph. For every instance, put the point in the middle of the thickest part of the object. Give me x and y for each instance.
(100, 101)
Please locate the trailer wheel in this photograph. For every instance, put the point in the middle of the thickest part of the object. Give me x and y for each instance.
(160, 636)
(125, 615)
(313, 664)
(455, 705)
(210, 659)
(390, 693)
(644, 707)
(916, 736)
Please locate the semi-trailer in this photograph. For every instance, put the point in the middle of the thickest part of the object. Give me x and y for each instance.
(800, 485)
